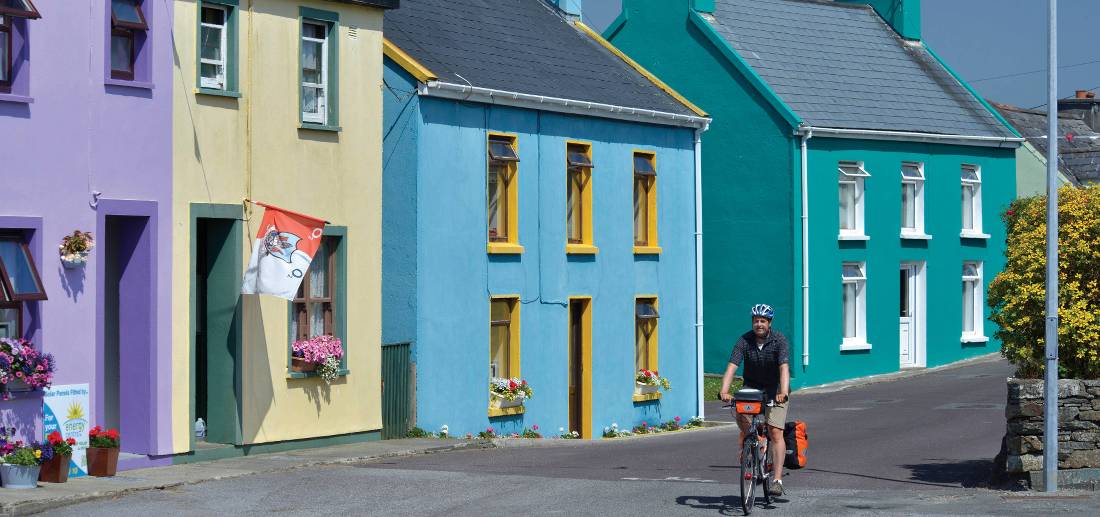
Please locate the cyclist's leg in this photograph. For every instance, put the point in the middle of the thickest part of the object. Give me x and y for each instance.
(743, 423)
(777, 418)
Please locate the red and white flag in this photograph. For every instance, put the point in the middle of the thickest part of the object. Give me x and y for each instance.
(284, 247)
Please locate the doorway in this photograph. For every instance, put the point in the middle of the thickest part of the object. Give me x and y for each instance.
(911, 305)
(580, 366)
(217, 273)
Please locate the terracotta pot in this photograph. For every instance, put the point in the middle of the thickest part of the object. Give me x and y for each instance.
(300, 365)
(102, 462)
(56, 470)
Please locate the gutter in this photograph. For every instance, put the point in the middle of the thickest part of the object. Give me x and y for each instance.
(699, 266)
(464, 92)
(909, 136)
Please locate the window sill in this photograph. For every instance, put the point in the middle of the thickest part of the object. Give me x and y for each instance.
(503, 248)
(129, 84)
(645, 397)
(305, 375)
(852, 237)
(581, 249)
(973, 235)
(974, 339)
(647, 250)
(916, 236)
(217, 93)
(11, 97)
(855, 345)
(505, 411)
(320, 127)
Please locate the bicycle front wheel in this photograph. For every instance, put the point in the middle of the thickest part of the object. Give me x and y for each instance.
(749, 471)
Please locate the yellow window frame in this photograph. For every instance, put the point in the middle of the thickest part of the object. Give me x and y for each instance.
(582, 203)
(511, 199)
(651, 343)
(650, 246)
(513, 347)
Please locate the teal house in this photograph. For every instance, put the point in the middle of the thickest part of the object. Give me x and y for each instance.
(851, 179)
(539, 222)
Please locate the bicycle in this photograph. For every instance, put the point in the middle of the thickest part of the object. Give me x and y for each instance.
(756, 468)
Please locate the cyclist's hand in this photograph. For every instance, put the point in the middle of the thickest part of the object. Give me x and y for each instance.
(781, 397)
(725, 396)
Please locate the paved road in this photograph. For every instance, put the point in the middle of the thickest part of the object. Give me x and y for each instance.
(920, 445)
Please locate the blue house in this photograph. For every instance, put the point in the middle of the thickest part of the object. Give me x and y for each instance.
(539, 221)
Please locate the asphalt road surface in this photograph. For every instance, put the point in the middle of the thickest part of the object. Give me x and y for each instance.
(915, 446)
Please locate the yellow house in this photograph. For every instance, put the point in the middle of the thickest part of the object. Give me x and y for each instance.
(279, 102)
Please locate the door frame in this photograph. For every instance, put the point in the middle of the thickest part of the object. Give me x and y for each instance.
(233, 213)
(919, 324)
(585, 360)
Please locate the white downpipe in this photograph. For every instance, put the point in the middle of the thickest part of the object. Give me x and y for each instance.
(806, 135)
(699, 266)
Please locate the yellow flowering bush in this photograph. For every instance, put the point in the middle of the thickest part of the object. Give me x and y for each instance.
(1017, 295)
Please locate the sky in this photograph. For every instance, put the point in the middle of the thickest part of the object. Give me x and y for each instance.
(983, 40)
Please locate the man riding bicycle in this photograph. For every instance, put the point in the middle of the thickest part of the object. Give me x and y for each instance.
(764, 352)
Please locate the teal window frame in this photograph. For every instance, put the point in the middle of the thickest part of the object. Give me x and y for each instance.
(340, 323)
(331, 20)
(232, 84)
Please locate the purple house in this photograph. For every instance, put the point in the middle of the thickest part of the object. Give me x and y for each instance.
(85, 134)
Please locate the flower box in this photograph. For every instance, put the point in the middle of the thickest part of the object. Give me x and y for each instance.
(19, 476)
(17, 386)
(76, 260)
(498, 401)
(102, 461)
(297, 364)
(56, 470)
(645, 389)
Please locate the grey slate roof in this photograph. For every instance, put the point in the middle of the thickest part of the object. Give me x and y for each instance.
(842, 66)
(1078, 159)
(522, 46)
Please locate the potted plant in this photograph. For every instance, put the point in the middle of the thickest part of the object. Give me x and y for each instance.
(318, 353)
(56, 470)
(19, 463)
(648, 381)
(505, 393)
(102, 452)
(75, 248)
(22, 368)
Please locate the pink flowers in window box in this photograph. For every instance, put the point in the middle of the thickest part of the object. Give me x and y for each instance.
(322, 353)
(22, 368)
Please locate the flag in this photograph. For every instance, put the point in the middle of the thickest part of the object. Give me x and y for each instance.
(283, 250)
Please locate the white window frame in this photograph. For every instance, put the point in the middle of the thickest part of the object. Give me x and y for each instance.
(912, 173)
(859, 341)
(977, 335)
(321, 116)
(852, 174)
(220, 82)
(975, 185)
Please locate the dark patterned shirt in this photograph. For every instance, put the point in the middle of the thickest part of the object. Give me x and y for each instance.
(761, 363)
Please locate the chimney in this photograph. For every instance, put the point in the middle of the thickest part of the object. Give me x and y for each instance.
(902, 15)
(570, 7)
(1084, 104)
(1085, 94)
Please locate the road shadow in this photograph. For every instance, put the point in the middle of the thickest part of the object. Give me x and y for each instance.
(724, 505)
(965, 473)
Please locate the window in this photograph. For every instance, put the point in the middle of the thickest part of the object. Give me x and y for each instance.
(504, 337)
(854, 306)
(13, 40)
(578, 218)
(315, 304)
(501, 194)
(127, 21)
(19, 283)
(851, 179)
(217, 46)
(912, 199)
(645, 203)
(20, 8)
(972, 302)
(971, 201)
(645, 334)
(318, 63)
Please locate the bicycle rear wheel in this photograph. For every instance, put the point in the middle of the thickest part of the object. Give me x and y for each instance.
(749, 471)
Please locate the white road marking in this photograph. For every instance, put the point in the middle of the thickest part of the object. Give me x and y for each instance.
(849, 408)
(673, 478)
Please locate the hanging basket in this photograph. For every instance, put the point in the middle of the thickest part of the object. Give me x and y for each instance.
(74, 261)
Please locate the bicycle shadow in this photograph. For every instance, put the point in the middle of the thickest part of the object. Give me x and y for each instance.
(724, 505)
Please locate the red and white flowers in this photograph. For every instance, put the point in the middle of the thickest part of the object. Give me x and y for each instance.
(651, 378)
(510, 389)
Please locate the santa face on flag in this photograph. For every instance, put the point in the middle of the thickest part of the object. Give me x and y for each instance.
(284, 248)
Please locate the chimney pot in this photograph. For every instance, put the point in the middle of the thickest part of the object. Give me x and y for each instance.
(1085, 94)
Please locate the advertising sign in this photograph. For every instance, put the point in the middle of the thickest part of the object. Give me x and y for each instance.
(65, 410)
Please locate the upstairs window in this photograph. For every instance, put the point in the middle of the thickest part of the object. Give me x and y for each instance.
(578, 201)
(971, 200)
(13, 41)
(20, 8)
(850, 186)
(217, 46)
(5, 53)
(319, 69)
(912, 199)
(501, 194)
(128, 27)
(645, 202)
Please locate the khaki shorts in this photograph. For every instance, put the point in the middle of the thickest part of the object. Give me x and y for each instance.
(776, 415)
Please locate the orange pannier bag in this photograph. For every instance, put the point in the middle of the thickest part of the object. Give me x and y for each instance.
(797, 441)
(749, 401)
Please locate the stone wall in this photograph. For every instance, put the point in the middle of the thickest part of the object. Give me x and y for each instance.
(1078, 425)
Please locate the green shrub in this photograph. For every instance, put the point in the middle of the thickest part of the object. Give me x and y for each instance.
(417, 432)
(1017, 295)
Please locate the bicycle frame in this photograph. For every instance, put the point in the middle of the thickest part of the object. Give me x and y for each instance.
(754, 456)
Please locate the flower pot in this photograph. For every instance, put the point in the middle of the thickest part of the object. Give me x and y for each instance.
(76, 260)
(56, 470)
(497, 400)
(102, 461)
(17, 385)
(19, 476)
(297, 364)
(645, 389)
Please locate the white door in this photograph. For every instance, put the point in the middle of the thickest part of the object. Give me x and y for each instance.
(908, 319)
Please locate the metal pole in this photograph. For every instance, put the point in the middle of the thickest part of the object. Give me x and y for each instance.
(1050, 402)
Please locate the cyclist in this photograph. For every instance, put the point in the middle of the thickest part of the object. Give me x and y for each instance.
(764, 352)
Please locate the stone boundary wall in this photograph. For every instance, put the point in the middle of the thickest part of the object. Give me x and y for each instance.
(1078, 427)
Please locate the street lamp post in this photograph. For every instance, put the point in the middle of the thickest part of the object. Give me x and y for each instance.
(1050, 402)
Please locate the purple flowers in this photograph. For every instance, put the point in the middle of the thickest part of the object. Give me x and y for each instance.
(19, 361)
(318, 348)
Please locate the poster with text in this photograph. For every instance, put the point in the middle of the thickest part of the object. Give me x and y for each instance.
(65, 410)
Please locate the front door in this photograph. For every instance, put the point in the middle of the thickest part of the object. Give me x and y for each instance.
(908, 315)
(217, 329)
(576, 364)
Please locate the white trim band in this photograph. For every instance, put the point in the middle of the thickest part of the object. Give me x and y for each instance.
(869, 134)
